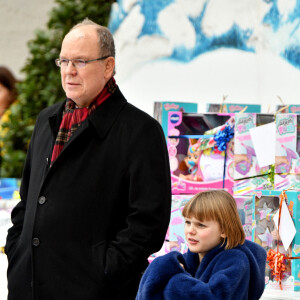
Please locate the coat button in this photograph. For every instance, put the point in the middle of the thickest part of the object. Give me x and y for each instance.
(35, 242)
(42, 200)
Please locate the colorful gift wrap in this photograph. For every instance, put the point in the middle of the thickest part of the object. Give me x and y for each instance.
(265, 206)
(233, 107)
(200, 152)
(287, 161)
(161, 110)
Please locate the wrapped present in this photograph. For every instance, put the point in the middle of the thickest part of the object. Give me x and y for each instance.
(200, 152)
(283, 266)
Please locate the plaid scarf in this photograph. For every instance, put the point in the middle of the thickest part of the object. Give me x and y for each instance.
(73, 117)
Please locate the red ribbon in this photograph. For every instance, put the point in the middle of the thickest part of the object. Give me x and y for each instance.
(276, 259)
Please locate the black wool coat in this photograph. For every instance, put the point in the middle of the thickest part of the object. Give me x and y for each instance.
(84, 227)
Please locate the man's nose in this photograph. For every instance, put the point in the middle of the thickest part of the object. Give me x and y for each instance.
(71, 69)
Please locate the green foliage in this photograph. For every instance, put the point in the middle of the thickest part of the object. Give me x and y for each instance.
(42, 85)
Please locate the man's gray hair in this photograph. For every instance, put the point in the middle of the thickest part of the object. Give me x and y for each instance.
(105, 38)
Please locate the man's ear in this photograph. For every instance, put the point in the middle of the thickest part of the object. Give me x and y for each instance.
(109, 67)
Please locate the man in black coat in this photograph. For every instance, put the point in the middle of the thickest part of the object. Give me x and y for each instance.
(95, 193)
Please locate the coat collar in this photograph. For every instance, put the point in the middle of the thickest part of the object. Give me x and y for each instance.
(192, 260)
(102, 118)
(56, 117)
(105, 115)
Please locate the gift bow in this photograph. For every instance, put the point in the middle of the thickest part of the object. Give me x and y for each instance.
(223, 136)
(277, 264)
(276, 259)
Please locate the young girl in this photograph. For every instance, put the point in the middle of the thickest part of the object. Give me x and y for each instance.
(220, 263)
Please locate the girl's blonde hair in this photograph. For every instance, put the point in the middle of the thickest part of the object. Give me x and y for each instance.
(219, 206)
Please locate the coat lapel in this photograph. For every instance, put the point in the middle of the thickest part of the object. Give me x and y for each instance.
(105, 115)
(102, 119)
(55, 119)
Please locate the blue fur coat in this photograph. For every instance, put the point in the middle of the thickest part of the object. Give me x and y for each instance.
(237, 274)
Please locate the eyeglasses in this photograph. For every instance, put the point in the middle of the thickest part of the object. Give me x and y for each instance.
(77, 63)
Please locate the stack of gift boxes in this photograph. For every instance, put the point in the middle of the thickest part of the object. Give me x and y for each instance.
(264, 184)
(266, 205)
(197, 165)
(174, 237)
(200, 150)
(198, 161)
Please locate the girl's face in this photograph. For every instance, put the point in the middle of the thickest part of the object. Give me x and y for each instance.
(202, 236)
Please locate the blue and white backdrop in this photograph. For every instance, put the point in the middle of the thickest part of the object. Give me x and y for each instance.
(202, 50)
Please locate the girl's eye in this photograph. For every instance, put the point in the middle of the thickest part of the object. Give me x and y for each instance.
(187, 222)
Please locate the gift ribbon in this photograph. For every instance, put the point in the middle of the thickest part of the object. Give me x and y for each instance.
(221, 138)
(190, 136)
(276, 259)
(269, 174)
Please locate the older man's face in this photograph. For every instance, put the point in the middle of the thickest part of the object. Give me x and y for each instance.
(83, 85)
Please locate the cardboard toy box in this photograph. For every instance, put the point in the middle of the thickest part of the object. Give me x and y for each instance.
(248, 175)
(291, 109)
(195, 161)
(265, 205)
(233, 107)
(244, 207)
(176, 228)
(161, 110)
(287, 161)
(174, 240)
